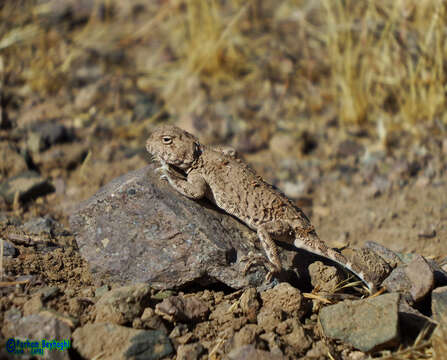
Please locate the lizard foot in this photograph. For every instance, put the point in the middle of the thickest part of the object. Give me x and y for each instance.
(253, 259)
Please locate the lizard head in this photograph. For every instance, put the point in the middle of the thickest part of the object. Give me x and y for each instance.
(173, 146)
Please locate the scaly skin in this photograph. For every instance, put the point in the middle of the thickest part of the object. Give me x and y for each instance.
(198, 171)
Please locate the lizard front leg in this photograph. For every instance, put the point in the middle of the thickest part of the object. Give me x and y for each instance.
(193, 186)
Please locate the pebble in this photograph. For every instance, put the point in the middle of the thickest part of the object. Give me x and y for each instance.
(439, 305)
(44, 135)
(323, 277)
(398, 282)
(184, 309)
(40, 225)
(190, 351)
(11, 162)
(294, 335)
(421, 277)
(123, 304)
(349, 147)
(250, 352)
(9, 249)
(286, 298)
(150, 320)
(61, 156)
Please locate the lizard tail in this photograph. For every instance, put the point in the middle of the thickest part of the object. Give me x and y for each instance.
(313, 244)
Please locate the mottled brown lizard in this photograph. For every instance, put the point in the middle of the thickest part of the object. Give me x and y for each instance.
(198, 171)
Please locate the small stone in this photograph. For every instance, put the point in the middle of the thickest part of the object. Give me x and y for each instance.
(100, 291)
(87, 96)
(397, 281)
(44, 135)
(286, 298)
(439, 310)
(8, 248)
(11, 318)
(32, 306)
(323, 277)
(349, 147)
(145, 106)
(112, 341)
(49, 292)
(179, 331)
(28, 185)
(11, 162)
(66, 319)
(246, 336)
(274, 342)
(35, 142)
(151, 320)
(368, 325)
(294, 335)
(250, 304)
(122, 305)
(284, 145)
(439, 305)
(62, 156)
(179, 308)
(421, 277)
(40, 225)
(190, 351)
(386, 254)
(269, 319)
(319, 351)
(58, 10)
(380, 185)
(75, 306)
(250, 352)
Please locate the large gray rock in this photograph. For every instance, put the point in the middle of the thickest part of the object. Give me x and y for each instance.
(138, 229)
(368, 325)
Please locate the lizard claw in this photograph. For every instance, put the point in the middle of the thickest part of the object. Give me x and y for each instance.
(163, 168)
(253, 259)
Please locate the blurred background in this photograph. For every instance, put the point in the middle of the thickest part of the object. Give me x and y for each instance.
(341, 104)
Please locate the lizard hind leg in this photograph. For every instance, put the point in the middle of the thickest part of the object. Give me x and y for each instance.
(265, 233)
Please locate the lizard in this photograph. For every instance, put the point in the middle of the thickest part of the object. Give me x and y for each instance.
(218, 174)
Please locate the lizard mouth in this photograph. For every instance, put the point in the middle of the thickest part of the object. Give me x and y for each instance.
(173, 167)
(177, 170)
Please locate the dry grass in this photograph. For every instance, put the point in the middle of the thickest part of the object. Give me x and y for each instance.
(379, 64)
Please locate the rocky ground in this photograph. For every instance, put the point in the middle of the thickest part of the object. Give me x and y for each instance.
(136, 271)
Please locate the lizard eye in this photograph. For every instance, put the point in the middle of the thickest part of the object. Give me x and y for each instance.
(166, 140)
